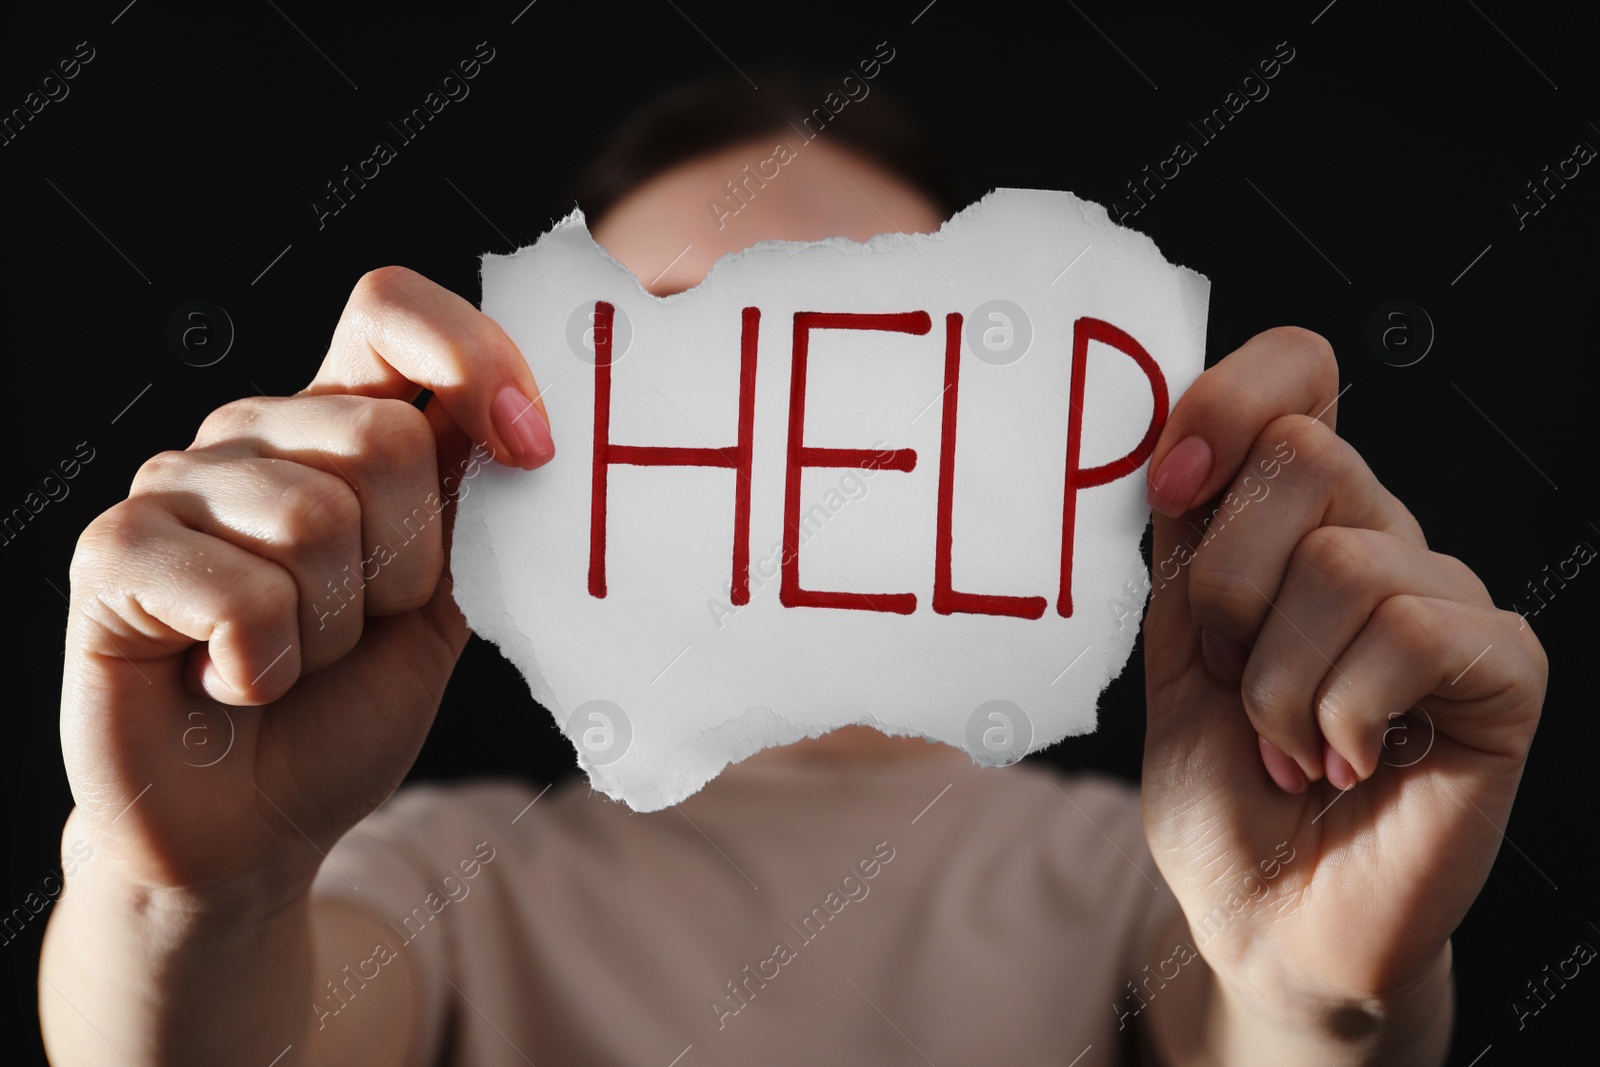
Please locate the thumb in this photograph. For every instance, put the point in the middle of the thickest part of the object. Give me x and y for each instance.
(1201, 450)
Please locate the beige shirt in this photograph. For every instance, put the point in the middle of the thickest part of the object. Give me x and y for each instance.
(919, 911)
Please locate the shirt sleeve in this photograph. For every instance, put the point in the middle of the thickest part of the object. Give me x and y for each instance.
(405, 862)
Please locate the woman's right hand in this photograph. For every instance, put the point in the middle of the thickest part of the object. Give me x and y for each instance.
(260, 634)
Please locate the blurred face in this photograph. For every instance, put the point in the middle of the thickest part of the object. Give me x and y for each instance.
(822, 192)
(667, 235)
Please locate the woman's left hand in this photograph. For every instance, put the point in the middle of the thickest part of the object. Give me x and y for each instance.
(1297, 615)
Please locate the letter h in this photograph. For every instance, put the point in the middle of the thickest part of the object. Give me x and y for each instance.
(736, 458)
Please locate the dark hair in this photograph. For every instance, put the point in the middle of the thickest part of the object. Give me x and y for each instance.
(704, 116)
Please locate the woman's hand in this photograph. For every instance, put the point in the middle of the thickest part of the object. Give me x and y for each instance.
(261, 633)
(1297, 614)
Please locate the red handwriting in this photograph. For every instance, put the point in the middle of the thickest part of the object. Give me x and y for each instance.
(737, 458)
(899, 459)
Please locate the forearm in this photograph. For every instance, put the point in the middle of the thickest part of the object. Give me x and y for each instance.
(172, 978)
(1211, 1019)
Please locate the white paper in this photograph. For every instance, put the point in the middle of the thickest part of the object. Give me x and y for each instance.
(665, 680)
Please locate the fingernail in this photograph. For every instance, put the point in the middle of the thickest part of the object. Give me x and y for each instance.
(522, 428)
(1338, 769)
(1173, 487)
(1224, 659)
(1284, 770)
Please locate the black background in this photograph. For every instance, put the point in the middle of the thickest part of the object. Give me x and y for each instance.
(196, 139)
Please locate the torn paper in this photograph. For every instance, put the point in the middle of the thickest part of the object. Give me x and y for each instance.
(897, 483)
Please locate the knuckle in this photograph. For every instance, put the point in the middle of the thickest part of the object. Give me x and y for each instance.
(1306, 345)
(1316, 450)
(1334, 557)
(382, 289)
(264, 595)
(1404, 524)
(1220, 395)
(484, 336)
(1468, 578)
(230, 420)
(1538, 674)
(1222, 600)
(1405, 624)
(1541, 659)
(391, 435)
(317, 509)
(114, 535)
(160, 469)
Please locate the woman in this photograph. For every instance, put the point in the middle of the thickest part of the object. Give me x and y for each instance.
(1287, 897)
